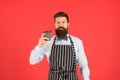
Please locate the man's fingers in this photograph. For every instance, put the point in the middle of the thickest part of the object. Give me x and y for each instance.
(42, 35)
(45, 38)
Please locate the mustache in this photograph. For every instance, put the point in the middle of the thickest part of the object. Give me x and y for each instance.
(61, 28)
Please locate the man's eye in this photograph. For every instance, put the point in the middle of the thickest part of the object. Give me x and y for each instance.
(58, 22)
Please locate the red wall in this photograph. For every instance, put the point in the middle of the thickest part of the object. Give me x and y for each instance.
(96, 22)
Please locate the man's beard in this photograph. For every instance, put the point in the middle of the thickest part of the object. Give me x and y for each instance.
(61, 32)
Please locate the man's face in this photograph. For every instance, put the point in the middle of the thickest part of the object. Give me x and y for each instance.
(61, 26)
(61, 22)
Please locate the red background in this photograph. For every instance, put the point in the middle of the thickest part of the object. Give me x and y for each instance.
(96, 22)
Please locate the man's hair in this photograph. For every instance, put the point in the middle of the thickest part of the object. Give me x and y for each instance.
(61, 14)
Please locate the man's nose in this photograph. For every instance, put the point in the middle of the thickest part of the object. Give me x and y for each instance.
(61, 24)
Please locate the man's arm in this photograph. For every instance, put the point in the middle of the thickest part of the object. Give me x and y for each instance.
(82, 61)
(39, 51)
(36, 55)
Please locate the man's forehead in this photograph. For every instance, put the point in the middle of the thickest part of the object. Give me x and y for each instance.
(61, 19)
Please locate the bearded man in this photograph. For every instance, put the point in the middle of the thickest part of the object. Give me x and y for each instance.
(63, 52)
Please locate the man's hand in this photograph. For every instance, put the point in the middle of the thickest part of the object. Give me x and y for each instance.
(43, 40)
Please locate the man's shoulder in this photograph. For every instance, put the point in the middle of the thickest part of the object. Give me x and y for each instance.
(75, 38)
(53, 37)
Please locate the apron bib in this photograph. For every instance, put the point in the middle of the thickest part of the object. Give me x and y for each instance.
(62, 62)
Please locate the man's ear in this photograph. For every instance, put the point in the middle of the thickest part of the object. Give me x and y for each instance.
(54, 26)
(68, 24)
